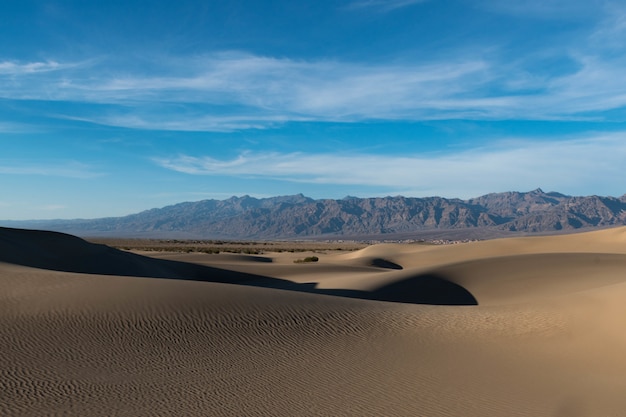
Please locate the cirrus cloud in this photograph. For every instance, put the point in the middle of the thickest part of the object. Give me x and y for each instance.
(593, 162)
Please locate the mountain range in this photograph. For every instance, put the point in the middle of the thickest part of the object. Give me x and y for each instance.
(297, 216)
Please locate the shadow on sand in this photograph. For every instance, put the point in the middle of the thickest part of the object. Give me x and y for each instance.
(66, 253)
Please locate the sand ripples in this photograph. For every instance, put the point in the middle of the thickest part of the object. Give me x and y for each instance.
(544, 340)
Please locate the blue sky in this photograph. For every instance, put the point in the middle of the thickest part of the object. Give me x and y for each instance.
(109, 108)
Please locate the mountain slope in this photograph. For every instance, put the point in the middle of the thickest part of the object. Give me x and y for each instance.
(299, 216)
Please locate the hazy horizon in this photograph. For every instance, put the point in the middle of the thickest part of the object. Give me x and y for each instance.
(112, 109)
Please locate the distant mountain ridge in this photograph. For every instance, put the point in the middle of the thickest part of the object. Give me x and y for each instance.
(297, 216)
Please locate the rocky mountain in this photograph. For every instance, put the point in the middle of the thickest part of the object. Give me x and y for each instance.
(298, 216)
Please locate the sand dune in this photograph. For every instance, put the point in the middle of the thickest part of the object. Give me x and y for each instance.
(511, 327)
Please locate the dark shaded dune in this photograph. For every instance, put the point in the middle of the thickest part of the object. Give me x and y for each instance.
(420, 289)
(384, 263)
(370, 257)
(425, 289)
(61, 252)
(245, 258)
(216, 258)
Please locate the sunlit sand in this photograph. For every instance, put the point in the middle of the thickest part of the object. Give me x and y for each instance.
(510, 327)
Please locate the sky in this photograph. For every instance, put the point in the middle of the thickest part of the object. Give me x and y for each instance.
(111, 108)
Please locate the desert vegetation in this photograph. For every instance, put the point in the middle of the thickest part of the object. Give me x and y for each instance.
(308, 259)
(225, 246)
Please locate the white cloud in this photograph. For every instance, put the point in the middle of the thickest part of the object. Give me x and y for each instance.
(15, 68)
(189, 123)
(592, 163)
(234, 90)
(245, 91)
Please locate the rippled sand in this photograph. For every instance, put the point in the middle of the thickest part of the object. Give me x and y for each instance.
(512, 327)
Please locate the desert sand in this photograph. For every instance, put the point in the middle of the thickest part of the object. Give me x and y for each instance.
(530, 326)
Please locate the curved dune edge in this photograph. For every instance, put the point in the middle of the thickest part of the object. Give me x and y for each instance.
(87, 344)
(425, 256)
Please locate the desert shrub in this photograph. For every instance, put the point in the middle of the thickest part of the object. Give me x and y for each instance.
(307, 259)
(210, 250)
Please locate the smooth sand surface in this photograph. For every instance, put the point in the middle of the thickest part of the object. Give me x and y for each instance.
(511, 327)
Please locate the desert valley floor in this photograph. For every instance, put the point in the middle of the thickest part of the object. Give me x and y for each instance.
(532, 326)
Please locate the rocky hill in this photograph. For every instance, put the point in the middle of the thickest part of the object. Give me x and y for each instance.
(298, 216)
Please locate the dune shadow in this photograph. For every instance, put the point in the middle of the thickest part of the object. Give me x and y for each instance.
(245, 258)
(426, 289)
(384, 263)
(422, 289)
(65, 253)
(261, 259)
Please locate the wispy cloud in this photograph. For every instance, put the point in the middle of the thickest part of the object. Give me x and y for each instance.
(593, 162)
(16, 68)
(611, 30)
(236, 90)
(189, 122)
(265, 90)
(241, 91)
(68, 169)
